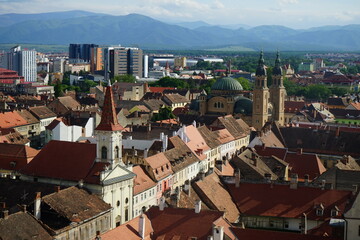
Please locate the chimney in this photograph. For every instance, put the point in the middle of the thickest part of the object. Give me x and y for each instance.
(165, 142)
(210, 238)
(142, 226)
(218, 165)
(187, 188)
(337, 133)
(149, 127)
(23, 207)
(323, 183)
(146, 151)
(306, 178)
(237, 178)
(57, 189)
(5, 214)
(174, 198)
(162, 204)
(198, 206)
(299, 151)
(294, 181)
(267, 177)
(218, 232)
(355, 187)
(37, 205)
(304, 224)
(263, 147)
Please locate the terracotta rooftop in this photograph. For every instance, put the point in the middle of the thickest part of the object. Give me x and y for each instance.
(182, 224)
(12, 136)
(209, 136)
(224, 136)
(264, 151)
(160, 165)
(15, 156)
(75, 204)
(280, 201)
(175, 98)
(42, 112)
(11, 119)
(294, 106)
(69, 102)
(30, 119)
(129, 231)
(142, 181)
(302, 164)
(22, 225)
(63, 160)
(216, 197)
(160, 89)
(196, 142)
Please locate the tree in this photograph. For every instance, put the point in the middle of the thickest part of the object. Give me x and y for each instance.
(124, 78)
(85, 87)
(170, 82)
(164, 113)
(317, 92)
(245, 83)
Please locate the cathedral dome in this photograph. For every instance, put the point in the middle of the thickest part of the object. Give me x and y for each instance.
(243, 105)
(227, 84)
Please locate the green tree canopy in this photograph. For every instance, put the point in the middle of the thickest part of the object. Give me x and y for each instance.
(170, 82)
(164, 113)
(245, 83)
(124, 78)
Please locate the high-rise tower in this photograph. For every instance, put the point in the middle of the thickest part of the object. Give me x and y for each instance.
(278, 92)
(260, 96)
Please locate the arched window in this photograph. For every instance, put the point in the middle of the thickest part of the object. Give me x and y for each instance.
(116, 152)
(222, 105)
(215, 105)
(104, 153)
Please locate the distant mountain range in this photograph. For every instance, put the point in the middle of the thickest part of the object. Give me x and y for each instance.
(148, 33)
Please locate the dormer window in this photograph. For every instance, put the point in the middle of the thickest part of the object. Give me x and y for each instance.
(320, 210)
(335, 211)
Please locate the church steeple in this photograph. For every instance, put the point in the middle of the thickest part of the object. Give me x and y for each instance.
(109, 121)
(277, 69)
(108, 133)
(261, 70)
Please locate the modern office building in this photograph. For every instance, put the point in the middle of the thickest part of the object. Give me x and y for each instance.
(122, 61)
(81, 52)
(24, 62)
(96, 59)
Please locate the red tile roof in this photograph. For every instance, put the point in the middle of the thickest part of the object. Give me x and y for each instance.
(142, 181)
(293, 106)
(160, 89)
(9, 76)
(109, 121)
(129, 231)
(281, 201)
(15, 156)
(182, 223)
(64, 160)
(252, 234)
(160, 165)
(11, 119)
(271, 151)
(306, 163)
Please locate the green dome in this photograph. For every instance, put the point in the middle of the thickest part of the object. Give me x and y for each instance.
(243, 105)
(227, 84)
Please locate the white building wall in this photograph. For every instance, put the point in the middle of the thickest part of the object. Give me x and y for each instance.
(144, 199)
(28, 65)
(89, 127)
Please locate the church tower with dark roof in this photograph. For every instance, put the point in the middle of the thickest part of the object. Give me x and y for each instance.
(260, 96)
(278, 92)
(108, 133)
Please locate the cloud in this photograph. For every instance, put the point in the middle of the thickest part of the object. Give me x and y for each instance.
(286, 2)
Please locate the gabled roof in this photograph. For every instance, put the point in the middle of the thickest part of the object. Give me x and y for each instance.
(274, 200)
(215, 195)
(142, 181)
(42, 112)
(293, 106)
(238, 129)
(160, 89)
(20, 226)
(271, 151)
(30, 119)
(180, 156)
(68, 102)
(303, 164)
(160, 165)
(175, 98)
(182, 224)
(11, 119)
(12, 136)
(15, 156)
(70, 161)
(196, 142)
(109, 121)
(75, 204)
(209, 136)
(224, 136)
(129, 231)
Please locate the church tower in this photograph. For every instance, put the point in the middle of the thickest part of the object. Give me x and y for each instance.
(278, 92)
(108, 133)
(260, 96)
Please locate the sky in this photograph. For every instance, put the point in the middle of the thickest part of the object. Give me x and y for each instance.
(296, 14)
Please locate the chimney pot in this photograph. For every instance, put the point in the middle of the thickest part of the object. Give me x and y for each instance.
(142, 226)
(23, 207)
(57, 188)
(198, 206)
(37, 205)
(299, 151)
(5, 214)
